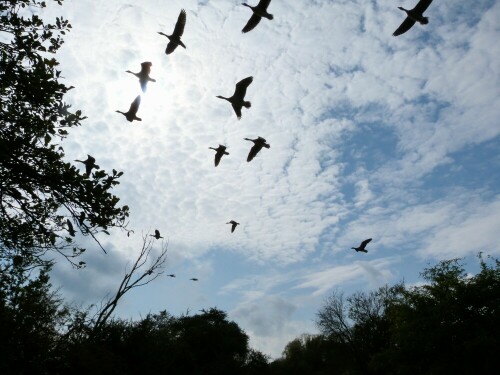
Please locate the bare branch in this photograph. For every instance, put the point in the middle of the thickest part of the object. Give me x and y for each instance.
(140, 274)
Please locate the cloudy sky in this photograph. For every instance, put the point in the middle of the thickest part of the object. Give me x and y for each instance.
(396, 139)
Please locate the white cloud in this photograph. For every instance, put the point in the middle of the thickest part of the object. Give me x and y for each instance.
(328, 76)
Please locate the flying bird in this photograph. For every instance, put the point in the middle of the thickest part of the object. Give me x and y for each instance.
(89, 164)
(156, 235)
(70, 228)
(239, 94)
(259, 11)
(221, 150)
(194, 279)
(362, 246)
(413, 15)
(143, 75)
(131, 115)
(257, 146)
(171, 275)
(234, 224)
(175, 38)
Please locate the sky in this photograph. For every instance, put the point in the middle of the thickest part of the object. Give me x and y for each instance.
(372, 136)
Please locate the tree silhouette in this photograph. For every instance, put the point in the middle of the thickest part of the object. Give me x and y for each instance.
(144, 270)
(39, 191)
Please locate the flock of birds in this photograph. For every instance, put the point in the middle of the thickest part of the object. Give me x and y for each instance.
(237, 100)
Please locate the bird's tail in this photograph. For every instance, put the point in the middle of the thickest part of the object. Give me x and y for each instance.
(247, 104)
(270, 17)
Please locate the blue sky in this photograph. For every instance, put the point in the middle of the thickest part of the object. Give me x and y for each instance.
(371, 136)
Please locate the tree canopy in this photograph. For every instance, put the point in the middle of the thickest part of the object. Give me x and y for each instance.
(42, 196)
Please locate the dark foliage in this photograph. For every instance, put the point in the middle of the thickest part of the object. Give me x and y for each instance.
(39, 191)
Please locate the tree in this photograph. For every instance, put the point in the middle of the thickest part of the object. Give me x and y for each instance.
(31, 319)
(357, 323)
(449, 325)
(41, 195)
(143, 271)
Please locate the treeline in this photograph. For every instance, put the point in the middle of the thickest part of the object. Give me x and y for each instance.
(449, 325)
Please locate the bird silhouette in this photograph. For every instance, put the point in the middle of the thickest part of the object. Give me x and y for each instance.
(221, 150)
(239, 94)
(143, 75)
(131, 115)
(71, 231)
(234, 224)
(257, 146)
(259, 11)
(175, 38)
(156, 235)
(89, 164)
(362, 246)
(194, 279)
(171, 275)
(413, 15)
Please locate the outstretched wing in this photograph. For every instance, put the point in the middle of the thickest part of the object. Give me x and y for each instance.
(134, 107)
(218, 156)
(263, 4)
(404, 27)
(253, 151)
(171, 46)
(364, 243)
(179, 26)
(237, 110)
(241, 87)
(422, 6)
(252, 22)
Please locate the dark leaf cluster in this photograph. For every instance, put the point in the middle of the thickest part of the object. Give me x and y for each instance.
(39, 190)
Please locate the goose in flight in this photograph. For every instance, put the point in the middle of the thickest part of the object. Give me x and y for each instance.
(234, 224)
(156, 235)
(362, 246)
(220, 151)
(71, 230)
(257, 146)
(171, 275)
(175, 38)
(413, 15)
(239, 94)
(131, 115)
(259, 11)
(194, 279)
(143, 75)
(89, 164)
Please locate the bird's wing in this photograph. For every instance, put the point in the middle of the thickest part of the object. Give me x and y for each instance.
(252, 22)
(218, 156)
(144, 84)
(404, 27)
(365, 242)
(237, 110)
(263, 4)
(134, 107)
(146, 67)
(253, 151)
(179, 26)
(233, 227)
(422, 6)
(171, 46)
(241, 87)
